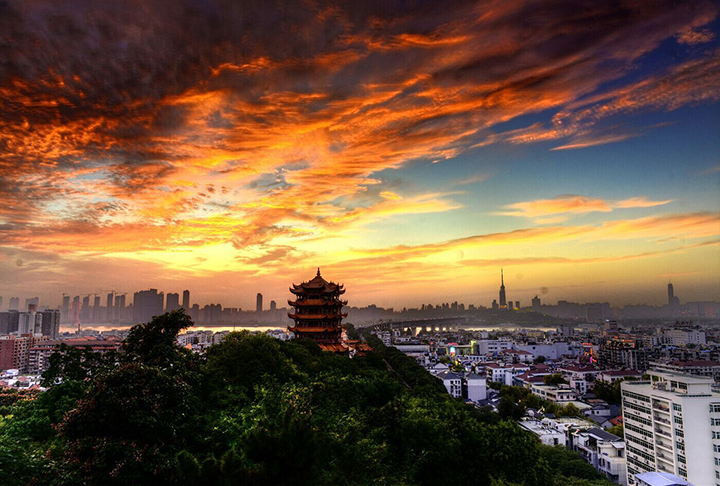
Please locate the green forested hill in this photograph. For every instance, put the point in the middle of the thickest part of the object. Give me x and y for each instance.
(258, 411)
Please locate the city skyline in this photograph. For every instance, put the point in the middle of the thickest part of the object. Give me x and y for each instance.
(408, 152)
(171, 301)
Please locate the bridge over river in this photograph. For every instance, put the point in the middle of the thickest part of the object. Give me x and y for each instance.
(437, 324)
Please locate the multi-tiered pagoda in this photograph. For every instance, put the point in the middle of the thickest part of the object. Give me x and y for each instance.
(318, 313)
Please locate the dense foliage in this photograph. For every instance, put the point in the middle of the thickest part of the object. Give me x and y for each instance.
(257, 411)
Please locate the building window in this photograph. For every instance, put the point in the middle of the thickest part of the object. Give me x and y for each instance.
(679, 421)
(715, 422)
(679, 433)
(677, 407)
(715, 435)
(715, 408)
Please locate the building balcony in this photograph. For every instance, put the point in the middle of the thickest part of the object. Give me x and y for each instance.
(663, 433)
(661, 408)
(665, 445)
(661, 420)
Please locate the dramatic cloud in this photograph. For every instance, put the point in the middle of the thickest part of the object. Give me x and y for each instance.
(261, 133)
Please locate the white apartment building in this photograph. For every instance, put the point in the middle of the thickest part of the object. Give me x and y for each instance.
(546, 430)
(549, 350)
(672, 425)
(700, 367)
(486, 346)
(504, 374)
(604, 451)
(453, 383)
(683, 337)
(476, 387)
(557, 394)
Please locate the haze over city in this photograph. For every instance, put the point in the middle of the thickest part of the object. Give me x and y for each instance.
(408, 152)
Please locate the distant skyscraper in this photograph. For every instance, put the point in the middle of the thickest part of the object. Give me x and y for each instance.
(259, 303)
(503, 300)
(273, 305)
(495, 305)
(85, 313)
(536, 302)
(517, 304)
(186, 300)
(50, 323)
(147, 304)
(75, 312)
(1, 303)
(66, 308)
(173, 302)
(14, 303)
(96, 309)
(109, 302)
(34, 301)
(119, 313)
(510, 305)
(671, 294)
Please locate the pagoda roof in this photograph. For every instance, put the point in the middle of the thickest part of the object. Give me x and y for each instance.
(317, 284)
(335, 348)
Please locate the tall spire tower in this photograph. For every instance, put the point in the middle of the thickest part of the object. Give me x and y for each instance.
(503, 300)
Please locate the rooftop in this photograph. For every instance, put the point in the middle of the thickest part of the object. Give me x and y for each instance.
(661, 479)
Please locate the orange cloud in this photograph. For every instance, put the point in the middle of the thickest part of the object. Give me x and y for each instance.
(573, 204)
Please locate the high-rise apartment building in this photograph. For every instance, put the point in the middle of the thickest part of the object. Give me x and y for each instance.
(273, 306)
(186, 300)
(14, 303)
(147, 304)
(109, 307)
(672, 425)
(622, 353)
(1, 303)
(34, 301)
(85, 312)
(96, 309)
(259, 303)
(172, 302)
(65, 308)
(50, 323)
(119, 310)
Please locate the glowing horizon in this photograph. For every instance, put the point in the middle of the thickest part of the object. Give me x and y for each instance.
(408, 151)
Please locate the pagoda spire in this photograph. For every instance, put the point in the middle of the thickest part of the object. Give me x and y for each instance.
(318, 273)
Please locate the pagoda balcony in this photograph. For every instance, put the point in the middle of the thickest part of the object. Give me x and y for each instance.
(317, 303)
(316, 317)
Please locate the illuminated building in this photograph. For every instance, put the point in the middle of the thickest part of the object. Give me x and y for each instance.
(318, 313)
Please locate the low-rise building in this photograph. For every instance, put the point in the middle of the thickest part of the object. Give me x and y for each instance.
(452, 382)
(556, 394)
(604, 451)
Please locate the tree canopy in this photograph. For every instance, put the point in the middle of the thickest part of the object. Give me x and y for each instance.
(258, 411)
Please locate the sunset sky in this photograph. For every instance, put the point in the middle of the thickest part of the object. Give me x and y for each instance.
(409, 149)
